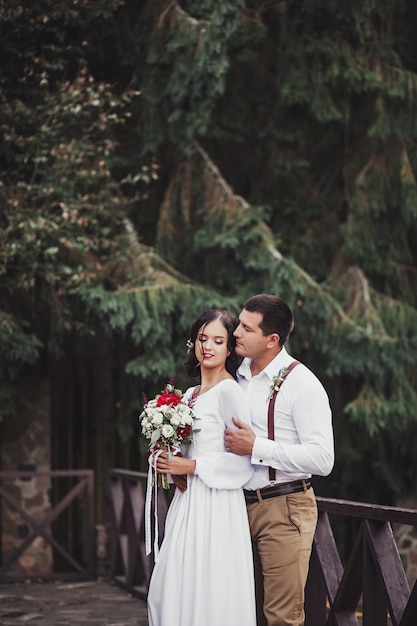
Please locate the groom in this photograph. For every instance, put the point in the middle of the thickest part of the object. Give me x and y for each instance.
(280, 500)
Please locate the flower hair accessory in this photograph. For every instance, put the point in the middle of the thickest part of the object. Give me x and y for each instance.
(278, 380)
(189, 345)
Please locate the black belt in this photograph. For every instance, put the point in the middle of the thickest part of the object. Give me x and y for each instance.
(280, 489)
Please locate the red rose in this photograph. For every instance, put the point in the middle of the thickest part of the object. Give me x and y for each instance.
(183, 432)
(169, 398)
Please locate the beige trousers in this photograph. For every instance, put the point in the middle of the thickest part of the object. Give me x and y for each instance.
(282, 530)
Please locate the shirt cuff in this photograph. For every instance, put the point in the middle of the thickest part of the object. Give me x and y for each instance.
(262, 451)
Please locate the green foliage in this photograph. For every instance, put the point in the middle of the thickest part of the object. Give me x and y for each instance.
(317, 123)
(162, 157)
(385, 409)
(187, 66)
(18, 348)
(63, 217)
(17, 345)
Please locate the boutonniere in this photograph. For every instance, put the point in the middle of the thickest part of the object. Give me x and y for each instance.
(278, 380)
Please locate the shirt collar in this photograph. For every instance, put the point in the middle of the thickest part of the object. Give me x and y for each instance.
(271, 370)
(280, 361)
(243, 370)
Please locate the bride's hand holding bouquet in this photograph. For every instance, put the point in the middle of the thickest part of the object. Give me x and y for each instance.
(175, 465)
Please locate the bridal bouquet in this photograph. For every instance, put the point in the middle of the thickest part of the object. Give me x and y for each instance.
(168, 421)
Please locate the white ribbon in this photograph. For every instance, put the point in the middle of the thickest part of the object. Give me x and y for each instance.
(152, 486)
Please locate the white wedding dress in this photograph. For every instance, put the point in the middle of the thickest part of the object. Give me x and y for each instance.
(204, 572)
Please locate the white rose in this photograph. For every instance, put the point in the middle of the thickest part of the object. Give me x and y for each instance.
(175, 420)
(167, 431)
(187, 419)
(184, 409)
(157, 418)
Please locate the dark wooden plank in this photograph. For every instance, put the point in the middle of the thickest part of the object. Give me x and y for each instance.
(374, 596)
(315, 594)
(409, 617)
(351, 584)
(43, 528)
(368, 511)
(385, 553)
(328, 556)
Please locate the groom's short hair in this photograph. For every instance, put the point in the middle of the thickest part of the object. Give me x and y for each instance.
(277, 316)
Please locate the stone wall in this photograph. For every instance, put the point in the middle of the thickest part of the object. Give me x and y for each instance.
(25, 446)
(406, 540)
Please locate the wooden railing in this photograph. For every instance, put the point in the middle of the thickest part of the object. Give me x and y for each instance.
(66, 528)
(373, 577)
(129, 565)
(371, 581)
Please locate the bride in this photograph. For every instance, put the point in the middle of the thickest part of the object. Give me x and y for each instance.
(204, 572)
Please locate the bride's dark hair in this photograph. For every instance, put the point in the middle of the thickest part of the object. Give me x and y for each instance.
(229, 321)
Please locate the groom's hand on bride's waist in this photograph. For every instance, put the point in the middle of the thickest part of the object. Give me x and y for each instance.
(239, 440)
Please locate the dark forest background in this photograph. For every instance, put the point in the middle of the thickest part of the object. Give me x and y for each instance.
(162, 157)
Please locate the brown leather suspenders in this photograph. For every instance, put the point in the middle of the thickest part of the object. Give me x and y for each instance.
(271, 406)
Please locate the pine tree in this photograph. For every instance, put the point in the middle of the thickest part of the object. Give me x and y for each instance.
(197, 152)
(302, 183)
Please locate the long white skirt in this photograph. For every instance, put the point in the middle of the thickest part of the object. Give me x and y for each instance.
(204, 572)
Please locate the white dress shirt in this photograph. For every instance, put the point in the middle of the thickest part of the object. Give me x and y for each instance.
(303, 423)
